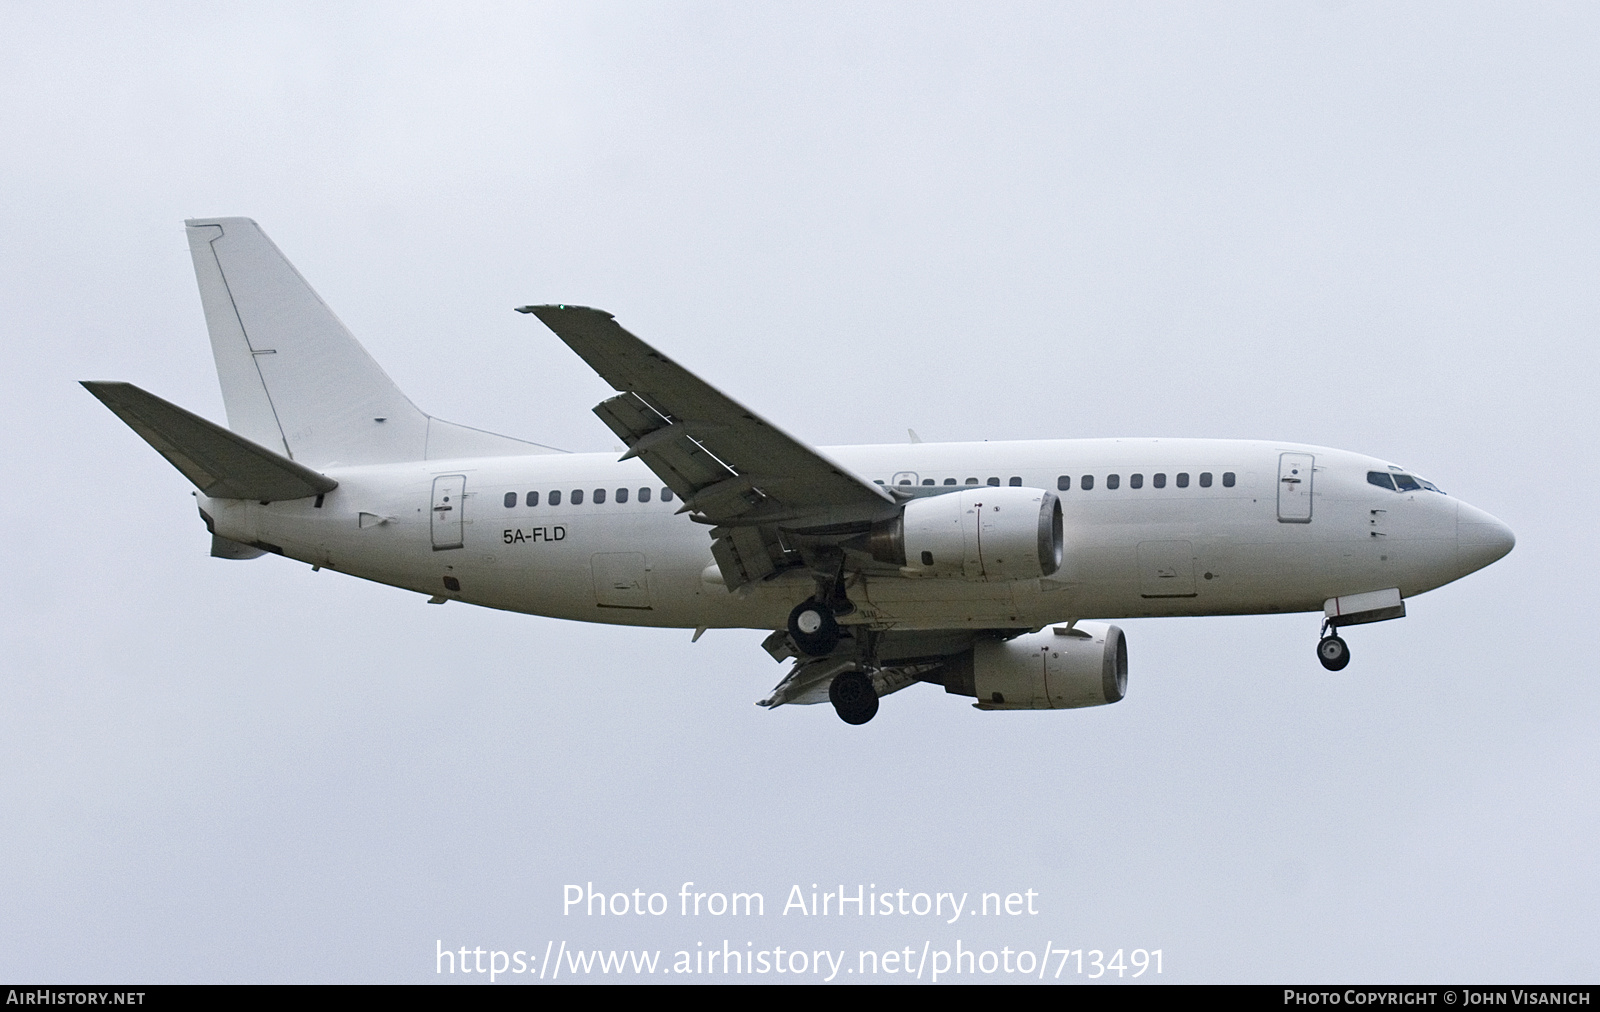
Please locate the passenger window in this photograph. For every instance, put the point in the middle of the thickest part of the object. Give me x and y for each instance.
(994, 481)
(511, 499)
(666, 495)
(1087, 482)
(1406, 483)
(949, 481)
(1113, 481)
(532, 498)
(1227, 479)
(927, 558)
(644, 495)
(905, 481)
(1205, 479)
(1064, 482)
(1183, 479)
(599, 496)
(879, 481)
(1015, 482)
(927, 481)
(577, 497)
(1136, 481)
(622, 495)
(972, 481)
(1159, 480)
(555, 497)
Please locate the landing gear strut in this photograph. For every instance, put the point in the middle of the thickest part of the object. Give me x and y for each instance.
(853, 697)
(1331, 650)
(813, 628)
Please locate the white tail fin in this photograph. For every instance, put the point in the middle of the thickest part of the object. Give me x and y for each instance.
(294, 379)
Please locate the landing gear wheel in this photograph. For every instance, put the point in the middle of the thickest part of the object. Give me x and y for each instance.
(813, 629)
(853, 697)
(1333, 653)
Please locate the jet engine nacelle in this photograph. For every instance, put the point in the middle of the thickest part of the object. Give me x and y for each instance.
(985, 532)
(1051, 670)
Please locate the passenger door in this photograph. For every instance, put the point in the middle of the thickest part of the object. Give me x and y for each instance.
(1295, 471)
(449, 495)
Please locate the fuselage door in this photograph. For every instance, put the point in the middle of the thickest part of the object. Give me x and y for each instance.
(449, 495)
(1294, 487)
(621, 580)
(1166, 569)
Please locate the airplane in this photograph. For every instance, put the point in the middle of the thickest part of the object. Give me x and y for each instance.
(992, 569)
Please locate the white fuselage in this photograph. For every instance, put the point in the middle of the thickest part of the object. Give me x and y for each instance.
(1130, 552)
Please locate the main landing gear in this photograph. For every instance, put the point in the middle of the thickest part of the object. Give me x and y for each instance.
(853, 697)
(815, 633)
(1331, 650)
(813, 628)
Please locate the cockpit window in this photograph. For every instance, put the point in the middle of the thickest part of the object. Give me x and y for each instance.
(1398, 482)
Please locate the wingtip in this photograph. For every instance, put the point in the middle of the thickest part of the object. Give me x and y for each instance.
(102, 387)
(561, 309)
(232, 219)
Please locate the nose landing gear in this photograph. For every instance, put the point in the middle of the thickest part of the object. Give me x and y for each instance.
(1332, 651)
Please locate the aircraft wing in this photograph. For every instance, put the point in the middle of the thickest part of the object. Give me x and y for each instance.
(731, 467)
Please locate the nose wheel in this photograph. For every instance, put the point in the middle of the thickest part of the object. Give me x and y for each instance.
(1333, 653)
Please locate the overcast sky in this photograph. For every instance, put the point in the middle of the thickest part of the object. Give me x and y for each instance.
(1370, 226)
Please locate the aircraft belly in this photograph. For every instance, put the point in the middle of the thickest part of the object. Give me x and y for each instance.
(932, 604)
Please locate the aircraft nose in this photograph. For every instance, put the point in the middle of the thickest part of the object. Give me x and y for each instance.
(1480, 538)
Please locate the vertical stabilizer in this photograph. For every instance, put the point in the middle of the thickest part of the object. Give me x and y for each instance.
(294, 378)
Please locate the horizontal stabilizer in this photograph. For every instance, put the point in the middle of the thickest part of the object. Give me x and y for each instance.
(222, 464)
